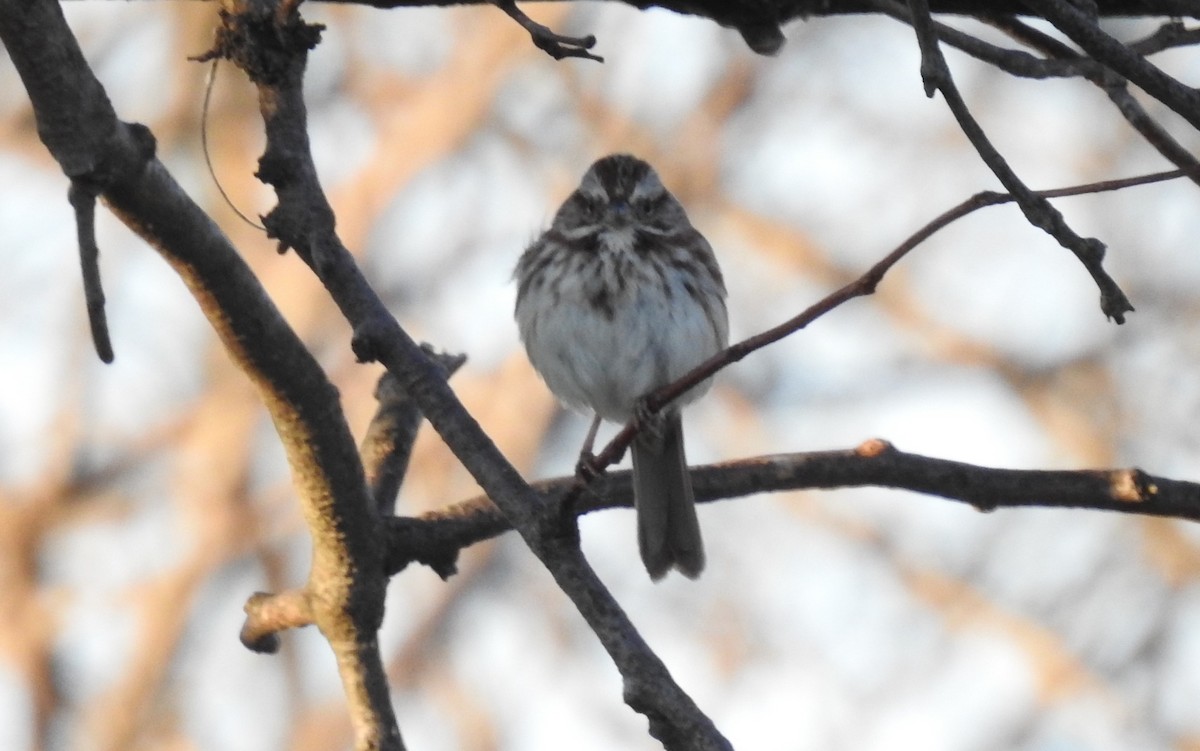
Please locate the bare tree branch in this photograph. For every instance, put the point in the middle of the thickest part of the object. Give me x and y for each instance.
(268, 614)
(1183, 100)
(760, 22)
(355, 550)
(1040, 213)
(1115, 86)
(555, 45)
(270, 44)
(439, 535)
(860, 287)
(743, 14)
(81, 130)
(388, 444)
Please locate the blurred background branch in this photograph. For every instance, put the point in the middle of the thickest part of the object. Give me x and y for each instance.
(142, 502)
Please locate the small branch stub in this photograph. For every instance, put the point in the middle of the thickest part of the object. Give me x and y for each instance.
(268, 614)
(83, 201)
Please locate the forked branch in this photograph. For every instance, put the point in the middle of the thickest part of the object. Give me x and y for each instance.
(272, 50)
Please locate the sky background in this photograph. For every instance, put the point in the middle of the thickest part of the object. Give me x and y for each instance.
(141, 503)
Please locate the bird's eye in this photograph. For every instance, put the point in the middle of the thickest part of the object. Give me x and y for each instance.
(591, 206)
(648, 207)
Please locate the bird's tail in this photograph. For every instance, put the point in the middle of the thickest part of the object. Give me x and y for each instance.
(668, 530)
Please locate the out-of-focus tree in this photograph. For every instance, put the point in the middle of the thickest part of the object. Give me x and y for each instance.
(273, 320)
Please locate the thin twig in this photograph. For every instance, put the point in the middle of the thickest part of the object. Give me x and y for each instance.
(1171, 34)
(1116, 86)
(1150, 129)
(934, 72)
(1037, 210)
(1065, 61)
(1037, 39)
(212, 171)
(553, 44)
(1011, 61)
(860, 287)
(1084, 31)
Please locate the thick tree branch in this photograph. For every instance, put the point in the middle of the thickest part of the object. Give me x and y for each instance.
(270, 43)
(441, 534)
(116, 160)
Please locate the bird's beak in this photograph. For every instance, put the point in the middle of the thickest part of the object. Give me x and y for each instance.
(619, 208)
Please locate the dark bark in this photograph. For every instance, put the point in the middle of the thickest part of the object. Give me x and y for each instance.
(748, 13)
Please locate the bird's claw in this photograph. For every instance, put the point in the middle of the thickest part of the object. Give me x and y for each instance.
(586, 469)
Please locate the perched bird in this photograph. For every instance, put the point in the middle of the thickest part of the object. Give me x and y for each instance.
(620, 297)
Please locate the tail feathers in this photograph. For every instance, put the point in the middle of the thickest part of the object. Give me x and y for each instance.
(668, 530)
